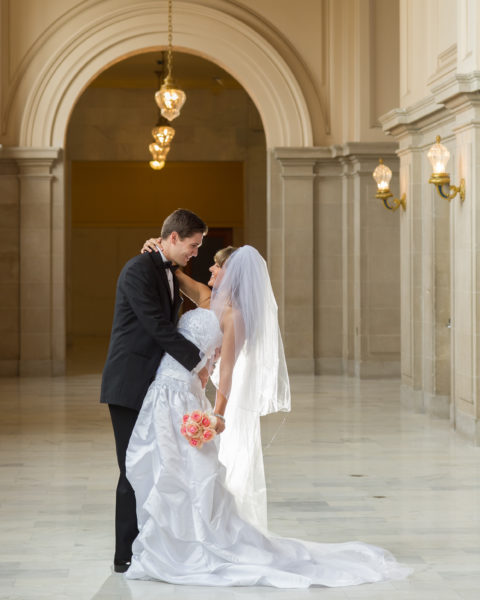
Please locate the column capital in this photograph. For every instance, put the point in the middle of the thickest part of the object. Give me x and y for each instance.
(368, 150)
(362, 157)
(31, 161)
(298, 163)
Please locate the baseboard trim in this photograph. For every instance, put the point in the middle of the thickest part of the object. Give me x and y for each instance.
(9, 368)
(370, 369)
(467, 426)
(437, 405)
(329, 366)
(301, 366)
(412, 399)
(36, 368)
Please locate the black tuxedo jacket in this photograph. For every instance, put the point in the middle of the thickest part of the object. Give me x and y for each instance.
(144, 328)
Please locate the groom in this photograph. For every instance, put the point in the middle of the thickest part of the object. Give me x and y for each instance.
(144, 328)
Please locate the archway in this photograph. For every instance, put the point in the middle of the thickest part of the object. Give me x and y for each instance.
(216, 167)
(210, 33)
(86, 43)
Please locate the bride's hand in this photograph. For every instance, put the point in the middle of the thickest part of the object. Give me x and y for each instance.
(220, 426)
(151, 245)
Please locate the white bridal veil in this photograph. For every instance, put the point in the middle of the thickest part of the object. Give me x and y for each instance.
(259, 383)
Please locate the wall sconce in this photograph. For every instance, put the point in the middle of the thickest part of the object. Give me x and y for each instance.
(382, 176)
(438, 156)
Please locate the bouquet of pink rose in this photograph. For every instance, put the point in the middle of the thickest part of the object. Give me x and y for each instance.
(198, 427)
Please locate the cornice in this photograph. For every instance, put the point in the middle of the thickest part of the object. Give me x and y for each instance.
(407, 117)
(302, 154)
(368, 149)
(31, 162)
(455, 85)
(29, 153)
(450, 93)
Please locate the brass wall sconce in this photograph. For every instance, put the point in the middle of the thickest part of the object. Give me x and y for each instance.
(382, 176)
(438, 156)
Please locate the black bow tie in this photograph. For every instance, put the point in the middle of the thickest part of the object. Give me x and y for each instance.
(168, 265)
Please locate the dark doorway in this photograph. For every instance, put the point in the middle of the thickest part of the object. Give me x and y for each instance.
(197, 268)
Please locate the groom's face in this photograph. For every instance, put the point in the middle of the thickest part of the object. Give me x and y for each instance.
(182, 250)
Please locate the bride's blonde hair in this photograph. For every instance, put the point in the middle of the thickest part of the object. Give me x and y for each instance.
(222, 255)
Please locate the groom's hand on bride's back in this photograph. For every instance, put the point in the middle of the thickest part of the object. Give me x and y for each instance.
(151, 245)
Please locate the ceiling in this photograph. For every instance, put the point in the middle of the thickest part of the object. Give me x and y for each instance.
(189, 72)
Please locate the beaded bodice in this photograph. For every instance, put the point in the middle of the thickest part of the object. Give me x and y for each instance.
(201, 327)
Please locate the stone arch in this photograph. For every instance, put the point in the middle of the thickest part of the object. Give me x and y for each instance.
(60, 65)
(141, 27)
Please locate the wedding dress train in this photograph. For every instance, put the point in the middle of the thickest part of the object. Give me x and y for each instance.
(190, 530)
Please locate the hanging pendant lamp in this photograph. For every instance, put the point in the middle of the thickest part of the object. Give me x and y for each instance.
(169, 98)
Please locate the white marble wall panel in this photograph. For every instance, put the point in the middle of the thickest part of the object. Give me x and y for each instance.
(465, 272)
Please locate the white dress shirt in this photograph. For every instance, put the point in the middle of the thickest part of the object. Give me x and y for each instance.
(203, 358)
(168, 272)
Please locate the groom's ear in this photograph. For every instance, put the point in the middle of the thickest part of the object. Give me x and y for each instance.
(174, 237)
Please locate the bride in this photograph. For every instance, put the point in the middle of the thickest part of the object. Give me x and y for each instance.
(202, 511)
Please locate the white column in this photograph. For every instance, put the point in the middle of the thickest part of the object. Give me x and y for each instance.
(372, 261)
(348, 328)
(295, 243)
(41, 282)
(9, 268)
(411, 275)
(328, 264)
(466, 270)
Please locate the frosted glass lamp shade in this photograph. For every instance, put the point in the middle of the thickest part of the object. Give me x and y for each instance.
(158, 152)
(156, 165)
(438, 156)
(170, 101)
(382, 176)
(163, 134)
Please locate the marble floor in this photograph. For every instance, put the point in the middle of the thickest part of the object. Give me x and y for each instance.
(349, 463)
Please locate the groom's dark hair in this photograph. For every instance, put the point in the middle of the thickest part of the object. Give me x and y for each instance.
(184, 222)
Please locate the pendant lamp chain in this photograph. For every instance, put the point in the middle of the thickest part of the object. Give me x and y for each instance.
(170, 38)
(170, 99)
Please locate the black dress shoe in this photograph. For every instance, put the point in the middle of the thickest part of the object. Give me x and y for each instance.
(120, 566)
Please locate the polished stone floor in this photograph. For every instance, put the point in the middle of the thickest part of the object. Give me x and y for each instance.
(348, 463)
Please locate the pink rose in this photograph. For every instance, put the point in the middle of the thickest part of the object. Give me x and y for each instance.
(185, 418)
(183, 430)
(208, 434)
(195, 442)
(192, 429)
(206, 421)
(196, 416)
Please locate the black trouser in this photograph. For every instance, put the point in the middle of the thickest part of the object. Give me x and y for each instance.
(126, 530)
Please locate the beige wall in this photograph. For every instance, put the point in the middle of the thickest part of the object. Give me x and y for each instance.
(440, 326)
(350, 52)
(428, 33)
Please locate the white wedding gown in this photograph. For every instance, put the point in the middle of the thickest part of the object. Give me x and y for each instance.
(190, 531)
